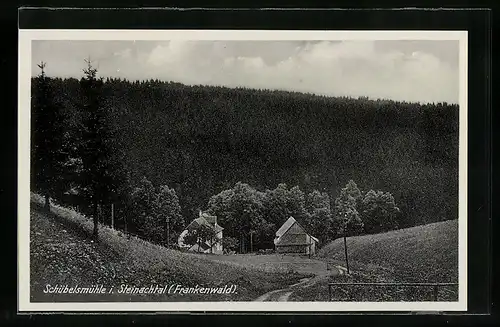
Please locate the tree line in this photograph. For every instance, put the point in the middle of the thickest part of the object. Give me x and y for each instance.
(97, 141)
(251, 217)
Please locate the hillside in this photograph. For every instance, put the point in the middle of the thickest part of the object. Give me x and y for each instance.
(427, 253)
(62, 253)
(201, 140)
(421, 254)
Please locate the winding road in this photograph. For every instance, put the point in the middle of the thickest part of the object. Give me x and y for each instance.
(282, 295)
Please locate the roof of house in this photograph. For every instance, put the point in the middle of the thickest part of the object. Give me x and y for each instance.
(286, 226)
(207, 220)
(218, 228)
(203, 246)
(291, 237)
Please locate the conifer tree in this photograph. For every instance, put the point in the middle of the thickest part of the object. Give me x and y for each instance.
(48, 155)
(99, 178)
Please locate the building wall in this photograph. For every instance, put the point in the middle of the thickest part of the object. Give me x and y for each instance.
(216, 248)
(312, 248)
(291, 249)
(295, 229)
(180, 240)
(296, 241)
(294, 235)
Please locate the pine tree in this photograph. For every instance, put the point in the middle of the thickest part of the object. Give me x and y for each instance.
(47, 140)
(99, 174)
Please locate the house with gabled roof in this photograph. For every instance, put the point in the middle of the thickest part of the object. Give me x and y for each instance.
(210, 246)
(291, 237)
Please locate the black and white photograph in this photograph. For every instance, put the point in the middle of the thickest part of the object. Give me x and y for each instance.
(186, 170)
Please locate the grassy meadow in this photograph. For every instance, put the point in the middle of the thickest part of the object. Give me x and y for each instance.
(63, 253)
(421, 254)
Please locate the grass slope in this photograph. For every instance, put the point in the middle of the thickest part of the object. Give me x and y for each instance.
(427, 253)
(269, 262)
(62, 253)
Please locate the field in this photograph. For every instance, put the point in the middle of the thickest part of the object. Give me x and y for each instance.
(63, 253)
(274, 262)
(314, 270)
(427, 253)
(424, 253)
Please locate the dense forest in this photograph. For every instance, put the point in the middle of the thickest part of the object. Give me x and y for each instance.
(202, 140)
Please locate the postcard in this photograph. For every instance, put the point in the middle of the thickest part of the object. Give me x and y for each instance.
(242, 170)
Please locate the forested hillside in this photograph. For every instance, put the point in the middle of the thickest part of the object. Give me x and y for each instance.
(201, 140)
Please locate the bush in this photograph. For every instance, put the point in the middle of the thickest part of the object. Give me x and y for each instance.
(229, 244)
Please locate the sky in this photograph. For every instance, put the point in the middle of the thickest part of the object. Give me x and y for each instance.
(416, 71)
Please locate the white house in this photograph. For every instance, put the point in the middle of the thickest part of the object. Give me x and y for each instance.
(211, 222)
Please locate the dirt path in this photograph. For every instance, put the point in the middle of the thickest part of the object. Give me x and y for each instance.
(282, 295)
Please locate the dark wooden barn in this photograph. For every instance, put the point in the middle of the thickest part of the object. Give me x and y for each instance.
(293, 238)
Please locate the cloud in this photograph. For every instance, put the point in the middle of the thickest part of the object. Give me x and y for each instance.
(331, 68)
(176, 51)
(409, 72)
(124, 54)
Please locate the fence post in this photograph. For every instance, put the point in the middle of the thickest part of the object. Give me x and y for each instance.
(346, 259)
(435, 292)
(112, 216)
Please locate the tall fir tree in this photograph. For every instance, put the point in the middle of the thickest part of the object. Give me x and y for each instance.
(99, 179)
(48, 155)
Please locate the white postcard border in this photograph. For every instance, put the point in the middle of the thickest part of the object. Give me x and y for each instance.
(24, 96)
